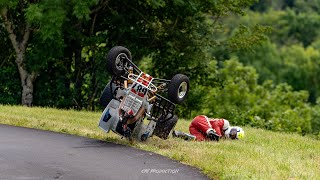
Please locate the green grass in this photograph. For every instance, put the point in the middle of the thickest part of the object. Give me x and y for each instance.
(261, 155)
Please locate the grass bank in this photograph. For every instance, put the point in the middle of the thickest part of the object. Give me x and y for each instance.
(261, 155)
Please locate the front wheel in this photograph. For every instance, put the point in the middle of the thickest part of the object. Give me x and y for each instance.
(117, 60)
(178, 88)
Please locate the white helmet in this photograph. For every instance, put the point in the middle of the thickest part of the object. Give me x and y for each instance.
(234, 132)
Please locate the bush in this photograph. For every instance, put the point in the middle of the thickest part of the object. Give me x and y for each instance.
(243, 101)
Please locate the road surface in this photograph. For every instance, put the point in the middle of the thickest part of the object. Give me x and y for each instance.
(30, 154)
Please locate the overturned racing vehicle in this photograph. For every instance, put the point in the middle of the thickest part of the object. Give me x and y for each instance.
(135, 106)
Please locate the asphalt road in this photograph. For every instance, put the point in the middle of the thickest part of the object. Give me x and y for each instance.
(29, 154)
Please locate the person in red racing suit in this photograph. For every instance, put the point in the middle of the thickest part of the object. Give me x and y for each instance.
(204, 128)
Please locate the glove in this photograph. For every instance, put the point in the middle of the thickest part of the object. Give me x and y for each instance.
(213, 136)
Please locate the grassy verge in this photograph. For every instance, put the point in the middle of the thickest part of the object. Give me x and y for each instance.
(261, 155)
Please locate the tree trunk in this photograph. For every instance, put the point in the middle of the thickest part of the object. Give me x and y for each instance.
(27, 79)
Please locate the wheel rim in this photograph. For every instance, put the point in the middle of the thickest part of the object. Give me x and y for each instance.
(182, 89)
(119, 61)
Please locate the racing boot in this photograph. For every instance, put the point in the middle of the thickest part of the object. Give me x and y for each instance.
(183, 135)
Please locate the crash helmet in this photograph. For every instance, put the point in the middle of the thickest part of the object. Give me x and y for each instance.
(234, 132)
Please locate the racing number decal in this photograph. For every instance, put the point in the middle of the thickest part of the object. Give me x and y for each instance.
(140, 89)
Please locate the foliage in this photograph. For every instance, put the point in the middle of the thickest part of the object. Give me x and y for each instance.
(300, 69)
(73, 37)
(9, 77)
(10, 84)
(315, 121)
(290, 54)
(266, 60)
(242, 100)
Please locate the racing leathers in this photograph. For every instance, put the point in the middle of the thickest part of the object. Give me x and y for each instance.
(205, 128)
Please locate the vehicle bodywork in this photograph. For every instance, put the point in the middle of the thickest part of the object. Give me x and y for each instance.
(133, 96)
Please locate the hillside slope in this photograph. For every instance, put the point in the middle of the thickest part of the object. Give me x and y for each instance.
(261, 155)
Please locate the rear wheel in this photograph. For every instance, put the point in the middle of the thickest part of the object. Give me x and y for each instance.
(106, 95)
(117, 60)
(163, 128)
(178, 88)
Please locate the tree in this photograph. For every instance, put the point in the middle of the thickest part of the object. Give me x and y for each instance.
(265, 58)
(19, 31)
(34, 27)
(73, 37)
(300, 68)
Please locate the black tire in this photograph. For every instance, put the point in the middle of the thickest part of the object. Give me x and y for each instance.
(178, 88)
(106, 95)
(164, 128)
(116, 60)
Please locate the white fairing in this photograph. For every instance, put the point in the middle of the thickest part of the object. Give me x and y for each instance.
(110, 116)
